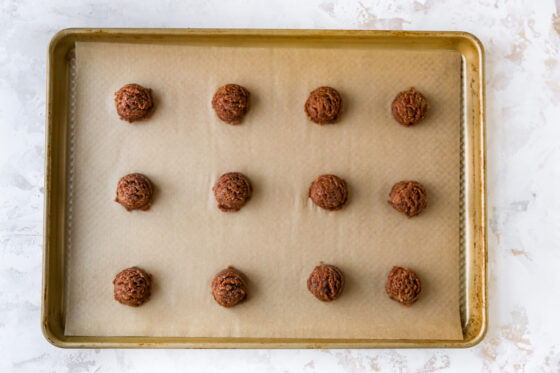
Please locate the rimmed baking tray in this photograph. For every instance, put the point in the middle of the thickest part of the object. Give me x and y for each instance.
(473, 240)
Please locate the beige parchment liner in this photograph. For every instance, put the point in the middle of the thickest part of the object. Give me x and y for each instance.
(279, 236)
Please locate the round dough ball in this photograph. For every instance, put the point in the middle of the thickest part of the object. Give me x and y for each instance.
(408, 197)
(134, 102)
(403, 285)
(324, 105)
(132, 287)
(232, 191)
(326, 282)
(134, 192)
(329, 192)
(229, 287)
(231, 103)
(409, 107)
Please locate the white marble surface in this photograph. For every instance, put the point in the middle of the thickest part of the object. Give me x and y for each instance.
(522, 41)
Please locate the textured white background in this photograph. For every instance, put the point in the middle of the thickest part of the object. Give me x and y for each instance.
(522, 40)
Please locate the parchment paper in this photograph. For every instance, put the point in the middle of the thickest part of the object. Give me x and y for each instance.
(279, 236)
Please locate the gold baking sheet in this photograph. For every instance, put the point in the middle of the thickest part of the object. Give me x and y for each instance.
(58, 165)
(279, 236)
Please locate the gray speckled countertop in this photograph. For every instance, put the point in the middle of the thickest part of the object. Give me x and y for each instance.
(522, 41)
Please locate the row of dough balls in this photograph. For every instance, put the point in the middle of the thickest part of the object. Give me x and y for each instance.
(233, 190)
(132, 286)
(231, 103)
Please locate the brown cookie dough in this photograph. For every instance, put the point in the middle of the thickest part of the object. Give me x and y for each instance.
(232, 191)
(132, 286)
(403, 285)
(329, 192)
(326, 282)
(324, 105)
(231, 103)
(134, 192)
(134, 102)
(229, 287)
(408, 197)
(409, 107)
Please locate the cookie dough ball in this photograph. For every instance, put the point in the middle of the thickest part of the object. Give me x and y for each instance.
(134, 192)
(329, 192)
(232, 191)
(326, 282)
(409, 107)
(132, 287)
(403, 285)
(408, 197)
(231, 103)
(134, 102)
(229, 287)
(324, 105)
